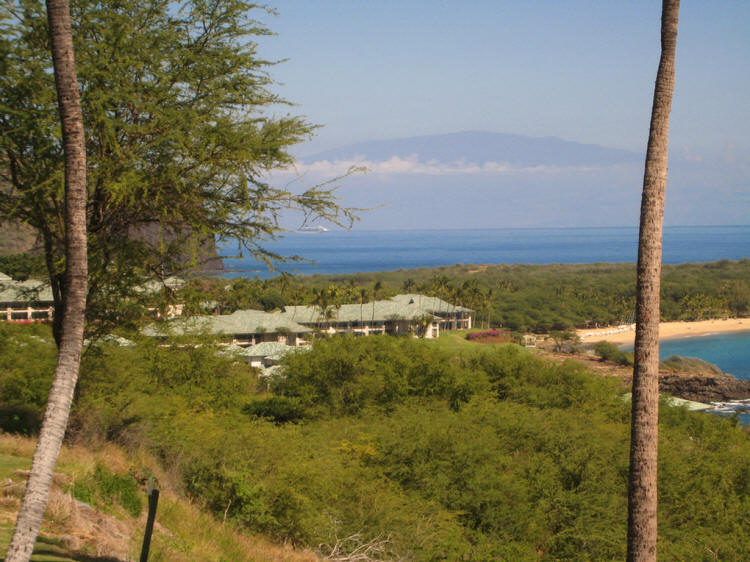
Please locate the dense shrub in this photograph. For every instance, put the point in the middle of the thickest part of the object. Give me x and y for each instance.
(692, 365)
(28, 357)
(104, 488)
(532, 465)
(278, 409)
(23, 266)
(341, 376)
(25, 420)
(608, 351)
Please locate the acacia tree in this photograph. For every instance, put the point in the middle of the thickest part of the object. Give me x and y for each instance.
(181, 132)
(34, 502)
(644, 436)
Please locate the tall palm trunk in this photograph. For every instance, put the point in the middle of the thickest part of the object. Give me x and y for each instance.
(644, 433)
(74, 290)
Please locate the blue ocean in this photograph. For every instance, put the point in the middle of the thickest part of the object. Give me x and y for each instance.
(342, 251)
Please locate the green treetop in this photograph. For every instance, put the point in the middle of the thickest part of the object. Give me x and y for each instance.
(180, 133)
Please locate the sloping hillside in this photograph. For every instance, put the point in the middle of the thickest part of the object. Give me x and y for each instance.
(106, 531)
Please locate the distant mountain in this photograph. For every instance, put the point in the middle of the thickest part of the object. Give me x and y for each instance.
(481, 147)
(476, 179)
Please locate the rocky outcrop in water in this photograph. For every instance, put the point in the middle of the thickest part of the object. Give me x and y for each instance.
(704, 388)
(694, 379)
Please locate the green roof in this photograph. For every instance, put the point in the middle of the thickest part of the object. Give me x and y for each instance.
(154, 286)
(379, 311)
(400, 307)
(403, 307)
(272, 350)
(430, 304)
(25, 291)
(239, 322)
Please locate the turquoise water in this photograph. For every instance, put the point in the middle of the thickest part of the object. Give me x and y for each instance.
(731, 352)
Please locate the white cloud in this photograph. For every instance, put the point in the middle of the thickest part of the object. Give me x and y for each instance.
(411, 165)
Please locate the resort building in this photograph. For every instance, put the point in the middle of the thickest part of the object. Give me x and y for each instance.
(32, 301)
(243, 328)
(403, 314)
(264, 355)
(264, 337)
(450, 316)
(25, 301)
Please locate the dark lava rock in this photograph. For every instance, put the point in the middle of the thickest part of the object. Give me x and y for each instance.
(704, 387)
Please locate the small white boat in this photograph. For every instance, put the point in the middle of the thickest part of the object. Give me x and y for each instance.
(313, 229)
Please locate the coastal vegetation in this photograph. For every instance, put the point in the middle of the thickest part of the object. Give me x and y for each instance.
(522, 298)
(420, 449)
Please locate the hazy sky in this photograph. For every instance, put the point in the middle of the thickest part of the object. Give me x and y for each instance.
(581, 71)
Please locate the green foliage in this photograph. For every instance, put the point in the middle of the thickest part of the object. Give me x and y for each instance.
(533, 464)
(278, 409)
(24, 420)
(540, 298)
(28, 365)
(176, 104)
(342, 376)
(104, 488)
(23, 266)
(692, 365)
(124, 391)
(519, 376)
(564, 340)
(608, 351)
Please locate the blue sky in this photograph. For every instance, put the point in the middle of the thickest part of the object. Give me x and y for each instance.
(581, 71)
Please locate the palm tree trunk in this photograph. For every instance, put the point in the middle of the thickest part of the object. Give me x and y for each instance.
(644, 433)
(74, 291)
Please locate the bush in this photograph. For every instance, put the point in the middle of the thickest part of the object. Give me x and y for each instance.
(341, 376)
(691, 365)
(26, 420)
(28, 364)
(278, 409)
(608, 351)
(481, 335)
(103, 489)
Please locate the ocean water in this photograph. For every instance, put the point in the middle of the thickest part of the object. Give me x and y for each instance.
(730, 352)
(339, 251)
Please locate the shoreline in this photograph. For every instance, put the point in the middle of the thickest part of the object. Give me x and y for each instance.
(625, 335)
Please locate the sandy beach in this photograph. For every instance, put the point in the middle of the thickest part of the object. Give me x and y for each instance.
(625, 335)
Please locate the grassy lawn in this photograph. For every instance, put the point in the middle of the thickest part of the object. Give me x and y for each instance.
(10, 463)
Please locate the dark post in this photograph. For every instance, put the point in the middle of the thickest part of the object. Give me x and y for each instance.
(153, 500)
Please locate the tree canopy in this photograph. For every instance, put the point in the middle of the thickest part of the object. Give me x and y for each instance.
(181, 125)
